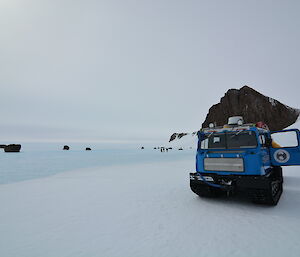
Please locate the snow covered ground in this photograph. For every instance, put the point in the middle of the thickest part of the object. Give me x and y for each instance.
(142, 210)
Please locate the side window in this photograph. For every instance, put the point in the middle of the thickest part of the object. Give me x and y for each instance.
(284, 139)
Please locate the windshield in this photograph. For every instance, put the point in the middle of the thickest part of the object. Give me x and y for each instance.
(230, 140)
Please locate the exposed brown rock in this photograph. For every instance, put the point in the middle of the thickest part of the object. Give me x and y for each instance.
(254, 107)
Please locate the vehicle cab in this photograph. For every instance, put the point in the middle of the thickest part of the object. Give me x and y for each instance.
(233, 150)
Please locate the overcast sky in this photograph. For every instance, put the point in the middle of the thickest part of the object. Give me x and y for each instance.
(138, 70)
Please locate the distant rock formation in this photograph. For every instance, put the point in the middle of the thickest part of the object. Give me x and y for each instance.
(177, 135)
(66, 147)
(88, 149)
(12, 148)
(2, 146)
(254, 107)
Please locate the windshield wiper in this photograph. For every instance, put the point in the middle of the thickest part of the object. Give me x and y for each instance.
(236, 134)
(210, 134)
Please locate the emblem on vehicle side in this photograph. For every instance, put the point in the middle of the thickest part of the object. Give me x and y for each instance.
(281, 156)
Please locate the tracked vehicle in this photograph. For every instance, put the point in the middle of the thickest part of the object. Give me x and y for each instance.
(244, 158)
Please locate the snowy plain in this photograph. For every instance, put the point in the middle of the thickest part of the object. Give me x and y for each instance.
(142, 209)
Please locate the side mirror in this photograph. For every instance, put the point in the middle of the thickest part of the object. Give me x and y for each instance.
(201, 136)
(268, 142)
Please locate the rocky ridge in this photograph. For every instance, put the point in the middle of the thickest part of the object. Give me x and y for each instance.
(253, 106)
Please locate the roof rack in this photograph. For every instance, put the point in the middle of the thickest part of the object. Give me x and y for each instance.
(232, 128)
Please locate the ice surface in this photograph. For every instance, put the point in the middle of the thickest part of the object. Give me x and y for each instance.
(40, 160)
(144, 209)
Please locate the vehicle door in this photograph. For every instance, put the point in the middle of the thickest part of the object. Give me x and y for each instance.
(285, 149)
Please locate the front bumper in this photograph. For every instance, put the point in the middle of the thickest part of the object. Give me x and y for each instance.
(230, 182)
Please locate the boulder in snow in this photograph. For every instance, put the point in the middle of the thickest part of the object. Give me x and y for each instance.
(12, 148)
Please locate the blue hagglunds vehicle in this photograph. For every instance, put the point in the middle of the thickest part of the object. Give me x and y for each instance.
(247, 158)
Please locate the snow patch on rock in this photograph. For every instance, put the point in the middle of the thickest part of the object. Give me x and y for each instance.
(272, 101)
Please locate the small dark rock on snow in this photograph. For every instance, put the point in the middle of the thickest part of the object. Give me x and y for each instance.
(12, 148)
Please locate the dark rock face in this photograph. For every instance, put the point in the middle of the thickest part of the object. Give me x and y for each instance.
(177, 135)
(66, 147)
(254, 107)
(88, 149)
(173, 137)
(12, 148)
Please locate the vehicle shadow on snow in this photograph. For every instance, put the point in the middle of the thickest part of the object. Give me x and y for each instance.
(288, 205)
(232, 200)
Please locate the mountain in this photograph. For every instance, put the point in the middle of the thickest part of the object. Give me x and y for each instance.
(253, 106)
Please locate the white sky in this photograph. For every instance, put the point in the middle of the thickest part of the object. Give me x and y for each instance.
(138, 70)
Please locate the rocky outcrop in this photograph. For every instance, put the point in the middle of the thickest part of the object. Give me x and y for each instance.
(66, 147)
(177, 135)
(254, 107)
(12, 148)
(180, 135)
(88, 149)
